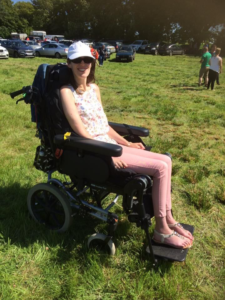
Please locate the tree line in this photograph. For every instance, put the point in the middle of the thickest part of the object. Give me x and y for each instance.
(179, 21)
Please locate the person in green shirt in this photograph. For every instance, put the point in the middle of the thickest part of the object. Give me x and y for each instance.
(204, 71)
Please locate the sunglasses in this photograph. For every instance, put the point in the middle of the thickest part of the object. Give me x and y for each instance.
(85, 59)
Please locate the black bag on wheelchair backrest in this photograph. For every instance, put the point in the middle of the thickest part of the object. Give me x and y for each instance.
(48, 80)
(48, 113)
(56, 76)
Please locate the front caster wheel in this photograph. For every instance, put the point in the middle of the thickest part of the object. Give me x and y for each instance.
(50, 207)
(97, 241)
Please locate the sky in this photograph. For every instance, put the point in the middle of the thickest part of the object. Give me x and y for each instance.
(14, 1)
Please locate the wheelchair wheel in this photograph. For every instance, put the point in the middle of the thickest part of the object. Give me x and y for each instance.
(97, 241)
(50, 207)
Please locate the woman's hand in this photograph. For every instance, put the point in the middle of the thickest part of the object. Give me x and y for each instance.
(119, 164)
(136, 145)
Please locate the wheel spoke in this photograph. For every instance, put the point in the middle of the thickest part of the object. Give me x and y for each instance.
(56, 220)
(39, 201)
(53, 211)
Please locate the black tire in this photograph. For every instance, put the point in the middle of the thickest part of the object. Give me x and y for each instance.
(57, 55)
(49, 206)
(37, 54)
(96, 241)
(16, 55)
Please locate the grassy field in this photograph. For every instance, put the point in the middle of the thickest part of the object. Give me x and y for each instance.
(159, 93)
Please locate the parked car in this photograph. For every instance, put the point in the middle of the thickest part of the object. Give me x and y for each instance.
(66, 42)
(139, 45)
(98, 45)
(152, 48)
(171, 49)
(16, 48)
(4, 52)
(108, 47)
(115, 43)
(125, 53)
(53, 50)
(87, 41)
(32, 44)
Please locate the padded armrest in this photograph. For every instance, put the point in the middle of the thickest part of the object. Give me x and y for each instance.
(89, 145)
(124, 129)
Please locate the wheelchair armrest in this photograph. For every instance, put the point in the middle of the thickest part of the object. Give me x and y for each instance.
(89, 145)
(124, 129)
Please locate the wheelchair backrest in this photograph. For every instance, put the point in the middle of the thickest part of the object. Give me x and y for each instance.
(49, 114)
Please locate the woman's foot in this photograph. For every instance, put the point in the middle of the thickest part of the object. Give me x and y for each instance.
(172, 239)
(180, 229)
(174, 225)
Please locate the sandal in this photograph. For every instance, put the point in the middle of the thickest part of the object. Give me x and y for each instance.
(167, 236)
(173, 226)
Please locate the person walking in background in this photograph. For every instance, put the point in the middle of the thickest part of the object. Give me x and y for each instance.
(215, 68)
(94, 54)
(204, 71)
(213, 53)
(102, 51)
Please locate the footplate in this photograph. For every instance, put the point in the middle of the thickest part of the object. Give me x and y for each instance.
(168, 253)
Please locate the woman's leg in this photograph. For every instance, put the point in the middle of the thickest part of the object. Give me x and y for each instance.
(218, 79)
(156, 165)
(210, 78)
(159, 167)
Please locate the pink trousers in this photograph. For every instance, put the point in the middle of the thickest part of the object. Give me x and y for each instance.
(159, 166)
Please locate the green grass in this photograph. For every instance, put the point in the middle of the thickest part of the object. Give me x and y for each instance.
(156, 92)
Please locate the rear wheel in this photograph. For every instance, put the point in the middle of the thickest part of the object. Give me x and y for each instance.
(57, 55)
(49, 206)
(16, 55)
(37, 54)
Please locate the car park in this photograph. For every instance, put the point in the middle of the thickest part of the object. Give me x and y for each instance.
(139, 45)
(171, 49)
(125, 53)
(115, 43)
(52, 50)
(98, 45)
(4, 52)
(152, 48)
(32, 44)
(16, 48)
(109, 48)
(66, 42)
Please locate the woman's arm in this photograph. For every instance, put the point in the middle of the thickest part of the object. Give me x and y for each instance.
(113, 134)
(220, 64)
(71, 113)
(120, 140)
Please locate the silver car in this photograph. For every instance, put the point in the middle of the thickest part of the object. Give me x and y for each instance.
(53, 50)
(34, 45)
(4, 52)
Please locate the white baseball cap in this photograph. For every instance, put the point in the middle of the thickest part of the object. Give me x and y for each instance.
(79, 49)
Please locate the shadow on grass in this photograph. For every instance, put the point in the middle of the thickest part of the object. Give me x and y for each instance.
(115, 61)
(187, 87)
(19, 229)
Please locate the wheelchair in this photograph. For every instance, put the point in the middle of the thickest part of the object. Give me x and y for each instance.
(88, 165)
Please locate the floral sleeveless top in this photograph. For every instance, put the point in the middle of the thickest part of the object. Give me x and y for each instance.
(92, 114)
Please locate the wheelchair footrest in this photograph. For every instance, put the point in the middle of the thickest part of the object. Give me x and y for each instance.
(168, 253)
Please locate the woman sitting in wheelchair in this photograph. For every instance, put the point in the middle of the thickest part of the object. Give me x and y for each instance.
(83, 109)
